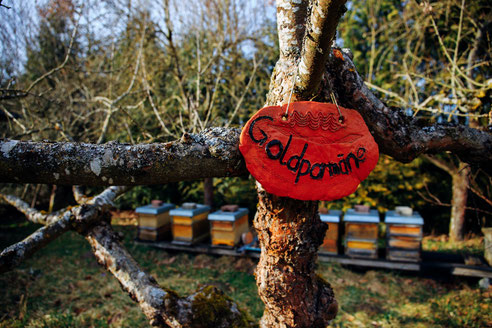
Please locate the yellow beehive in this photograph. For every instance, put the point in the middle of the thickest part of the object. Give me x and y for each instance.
(189, 223)
(227, 226)
(361, 233)
(154, 222)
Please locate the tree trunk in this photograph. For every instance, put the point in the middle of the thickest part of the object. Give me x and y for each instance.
(460, 196)
(208, 191)
(460, 183)
(290, 232)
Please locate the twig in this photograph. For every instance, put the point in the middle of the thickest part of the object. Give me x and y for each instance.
(246, 89)
(437, 201)
(16, 121)
(112, 103)
(4, 6)
(59, 67)
(151, 101)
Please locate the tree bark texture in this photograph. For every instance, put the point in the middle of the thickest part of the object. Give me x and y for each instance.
(290, 233)
(211, 153)
(208, 307)
(460, 183)
(320, 31)
(13, 255)
(460, 186)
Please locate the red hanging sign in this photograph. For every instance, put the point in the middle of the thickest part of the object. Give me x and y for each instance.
(308, 154)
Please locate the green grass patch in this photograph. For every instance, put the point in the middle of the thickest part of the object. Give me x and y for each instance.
(63, 286)
(474, 245)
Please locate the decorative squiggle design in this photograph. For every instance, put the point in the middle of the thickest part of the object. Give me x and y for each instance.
(324, 121)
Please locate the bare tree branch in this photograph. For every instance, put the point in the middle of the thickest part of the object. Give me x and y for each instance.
(443, 165)
(13, 255)
(77, 218)
(213, 153)
(291, 18)
(11, 94)
(399, 135)
(163, 307)
(31, 214)
(320, 31)
(436, 201)
(111, 105)
(4, 6)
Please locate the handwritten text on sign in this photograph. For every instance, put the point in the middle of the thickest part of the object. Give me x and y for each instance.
(309, 155)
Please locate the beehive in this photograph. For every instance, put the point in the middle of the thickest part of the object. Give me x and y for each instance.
(330, 242)
(227, 226)
(154, 222)
(403, 235)
(361, 233)
(189, 223)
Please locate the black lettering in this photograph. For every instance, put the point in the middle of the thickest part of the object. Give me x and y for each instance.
(300, 172)
(333, 168)
(251, 127)
(272, 144)
(321, 172)
(343, 165)
(285, 151)
(298, 158)
(356, 161)
(361, 153)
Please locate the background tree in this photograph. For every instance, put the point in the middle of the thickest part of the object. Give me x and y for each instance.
(444, 73)
(150, 78)
(289, 231)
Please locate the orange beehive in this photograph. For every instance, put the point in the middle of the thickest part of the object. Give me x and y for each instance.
(189, 223)
(330, 242)
(226, 227)
(361, 233)
(403, 234)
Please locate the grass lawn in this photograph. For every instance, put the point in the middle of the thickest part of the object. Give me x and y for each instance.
(63, 286)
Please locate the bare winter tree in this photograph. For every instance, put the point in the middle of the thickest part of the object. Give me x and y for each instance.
(289, 230)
